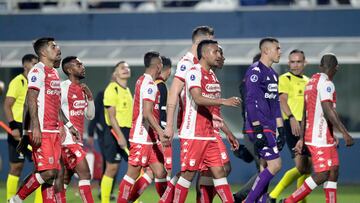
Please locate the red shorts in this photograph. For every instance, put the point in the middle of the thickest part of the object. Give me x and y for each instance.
(223, 153)
(197, 154)
(168, 157)
(47, 156)
(323, 158)
(145, 154)
(72, 155)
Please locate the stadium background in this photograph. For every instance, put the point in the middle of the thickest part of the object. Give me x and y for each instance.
(103, 37)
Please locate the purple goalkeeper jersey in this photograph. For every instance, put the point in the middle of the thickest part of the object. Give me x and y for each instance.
(262, 97)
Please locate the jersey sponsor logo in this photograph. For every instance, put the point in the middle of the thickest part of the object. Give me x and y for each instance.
(53, 92)
(270, 96)
(150, 91)
(254, 78)
(55, 84)
(192, 162)
(76, 113)
(192, 77)
(78, 104)
(182, 67)
(213, 87)
(33, 78)
(256, 69)
(272, 87)
(328, 89)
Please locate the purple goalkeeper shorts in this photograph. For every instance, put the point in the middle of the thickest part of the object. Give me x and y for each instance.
(270, 151)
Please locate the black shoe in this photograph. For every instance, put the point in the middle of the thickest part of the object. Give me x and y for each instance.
(271, 200)
(282, 201)
(238, 199)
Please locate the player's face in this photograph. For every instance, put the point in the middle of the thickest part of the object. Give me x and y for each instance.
(167, 73)
(222, 60)
(77, 69)
(123, 71)
(296, 63)
(159, 65)
(213, 55)
(52, 51)
(274, 52)
(28, 65)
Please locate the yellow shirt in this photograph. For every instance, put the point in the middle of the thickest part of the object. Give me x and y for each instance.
(294, 87)
(120, 98)
(17, 90)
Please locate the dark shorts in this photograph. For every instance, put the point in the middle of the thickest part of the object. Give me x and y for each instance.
(14, 156)
(291, 140)
(269, 152)
(112, 151)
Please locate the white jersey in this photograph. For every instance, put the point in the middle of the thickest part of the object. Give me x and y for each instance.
(46, 80)
(141, 132)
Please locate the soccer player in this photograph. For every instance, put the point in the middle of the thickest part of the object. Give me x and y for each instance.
(263, 116)
(144, 135)
(76, 104)
(118, 104)
(13, 109)
(160, 114)
(320, 119)
(205, 190)
(199, 146)
(176, 92)
(291, 90)
(43, 100)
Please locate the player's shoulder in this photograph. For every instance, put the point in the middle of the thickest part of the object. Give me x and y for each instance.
(38, 68)
(254, 68)
(65, 83)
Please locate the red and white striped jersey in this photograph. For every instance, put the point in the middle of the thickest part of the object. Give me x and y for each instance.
(46, 80)
(184, 65)
(73, 104)
(319, 131)
(197, 120)
(141, 132)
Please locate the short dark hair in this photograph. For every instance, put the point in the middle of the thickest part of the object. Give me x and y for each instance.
(329, 61)
(267, 39)
(297, 51)
(202, 31)
(64, 63)
(149, 56)
(28, 58)
(202, 45)
(116, 65)
(40, 43)
(166, 62)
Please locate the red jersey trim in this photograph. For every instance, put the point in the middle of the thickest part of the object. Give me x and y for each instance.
(327, 100)
(35, 88)
(194, 87)
(147, 99)
(265, 130)
(180, 78)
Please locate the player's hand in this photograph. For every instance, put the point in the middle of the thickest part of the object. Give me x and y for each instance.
(260, 138)
(87, 91)
(299, 146)
(16, 134)
(168, 133)
(217, 121)
(22, 146)
(234, 143)
(295, 126)
(36, 137)
(349, 141)
(75, 134)
(280, 139)
(232, 101)
(164, 139)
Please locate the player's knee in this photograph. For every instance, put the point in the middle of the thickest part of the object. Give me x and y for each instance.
(15, 169)
(320, 178)
(49, 176)
(160, 173)
(227, 168)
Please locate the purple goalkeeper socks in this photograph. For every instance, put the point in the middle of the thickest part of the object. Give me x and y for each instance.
(258, 188)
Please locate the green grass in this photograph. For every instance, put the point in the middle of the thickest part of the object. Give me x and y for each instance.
(346, 194)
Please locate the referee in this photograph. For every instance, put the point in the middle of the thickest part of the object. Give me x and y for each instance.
(13, 108)
(118, 104)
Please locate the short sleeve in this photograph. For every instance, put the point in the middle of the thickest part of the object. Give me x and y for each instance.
(12, 90)
(193, 78)
(36, 78)
(110, 95)
(149, 92)
(284, 84)
(326, 91)
(182, 68)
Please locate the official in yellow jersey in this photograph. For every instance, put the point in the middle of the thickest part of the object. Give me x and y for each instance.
(13, 108)
(118, 104)
(291, 89)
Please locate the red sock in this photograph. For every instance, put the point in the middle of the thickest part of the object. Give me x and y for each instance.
(207, 194)
(31, 184)
(139, 187)
(223, 190)
(160, 185)
(305, 189)
(168, 195)
(85, 191)
(125, 189)
(60, 197)
(181, 190)
(330, 191)
(48, 193)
